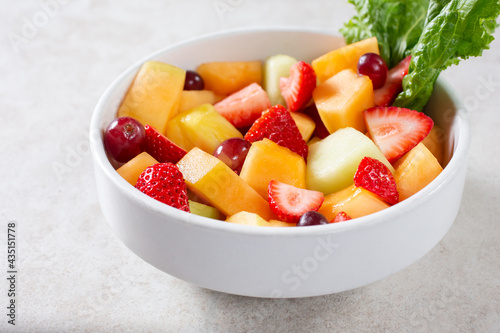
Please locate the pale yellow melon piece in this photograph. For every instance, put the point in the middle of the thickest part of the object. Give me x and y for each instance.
(194, 98)
(247, 218)
(219, 186)
(154, 94)
(201, 127)
(131, 170)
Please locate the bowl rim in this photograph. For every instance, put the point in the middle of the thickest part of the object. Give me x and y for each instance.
(461, 147)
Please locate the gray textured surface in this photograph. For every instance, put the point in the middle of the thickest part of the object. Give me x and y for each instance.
(74, 275)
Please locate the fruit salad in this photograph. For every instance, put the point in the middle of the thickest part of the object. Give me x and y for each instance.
(280, 142)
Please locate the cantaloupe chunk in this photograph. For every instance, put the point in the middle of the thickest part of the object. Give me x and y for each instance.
(333, 161)
(131, 170)
(341, 100)
(193, 98)
(305, 124)
(268, 161)
(415, 170)
(225, 78)
(342, 58)
(434, 141)
(201, 127)
(154, 94)
(354, 201)
(215, 183)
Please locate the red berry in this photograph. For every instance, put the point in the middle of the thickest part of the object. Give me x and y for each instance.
(376, 177)
(341, 217)
(373, 66)
(396, 130)
(161, 148)
(289, 203)
(277, 125)
(298, 87)
(164, 182)
(124, 139)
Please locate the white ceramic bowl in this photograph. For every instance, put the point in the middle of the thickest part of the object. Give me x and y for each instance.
(277, 262)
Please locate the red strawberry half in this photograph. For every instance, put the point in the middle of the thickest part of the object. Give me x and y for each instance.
(277, 125)
(386, 95)
(243, 107)
(298, 87)
(161, 148)
(396, 130)
(341, 217)
(376, 177)
(289, 203)
(164, 182)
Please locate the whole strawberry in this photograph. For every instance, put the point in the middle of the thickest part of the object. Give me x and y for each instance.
(164, 182)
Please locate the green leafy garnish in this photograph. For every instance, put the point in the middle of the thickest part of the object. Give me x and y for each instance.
(436, 33)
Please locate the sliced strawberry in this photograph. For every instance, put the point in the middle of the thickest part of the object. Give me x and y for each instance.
(320, 130)
(386, 95)
(164, 182)
(161, 148)
(289, 203)
(298, 87)
(277, 125)
(341, 217)
(376, 177)
(396, 130)
(243, 107)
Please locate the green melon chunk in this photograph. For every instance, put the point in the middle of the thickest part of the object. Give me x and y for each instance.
(333, 161)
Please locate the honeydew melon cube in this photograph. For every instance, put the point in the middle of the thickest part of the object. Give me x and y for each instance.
(276, 67)
(204, 210)
(333, 161)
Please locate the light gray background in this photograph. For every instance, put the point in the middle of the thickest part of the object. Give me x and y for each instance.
(57, 58)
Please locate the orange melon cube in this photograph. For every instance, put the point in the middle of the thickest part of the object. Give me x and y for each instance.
(131, 170)
(341, 100)
(305, 124)
(225, 78)
(215, 183)
(194, 98)
(354, 201)
(266, 161)
(154, 94)
(434, 141)
(342, 58)
(415, 170)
